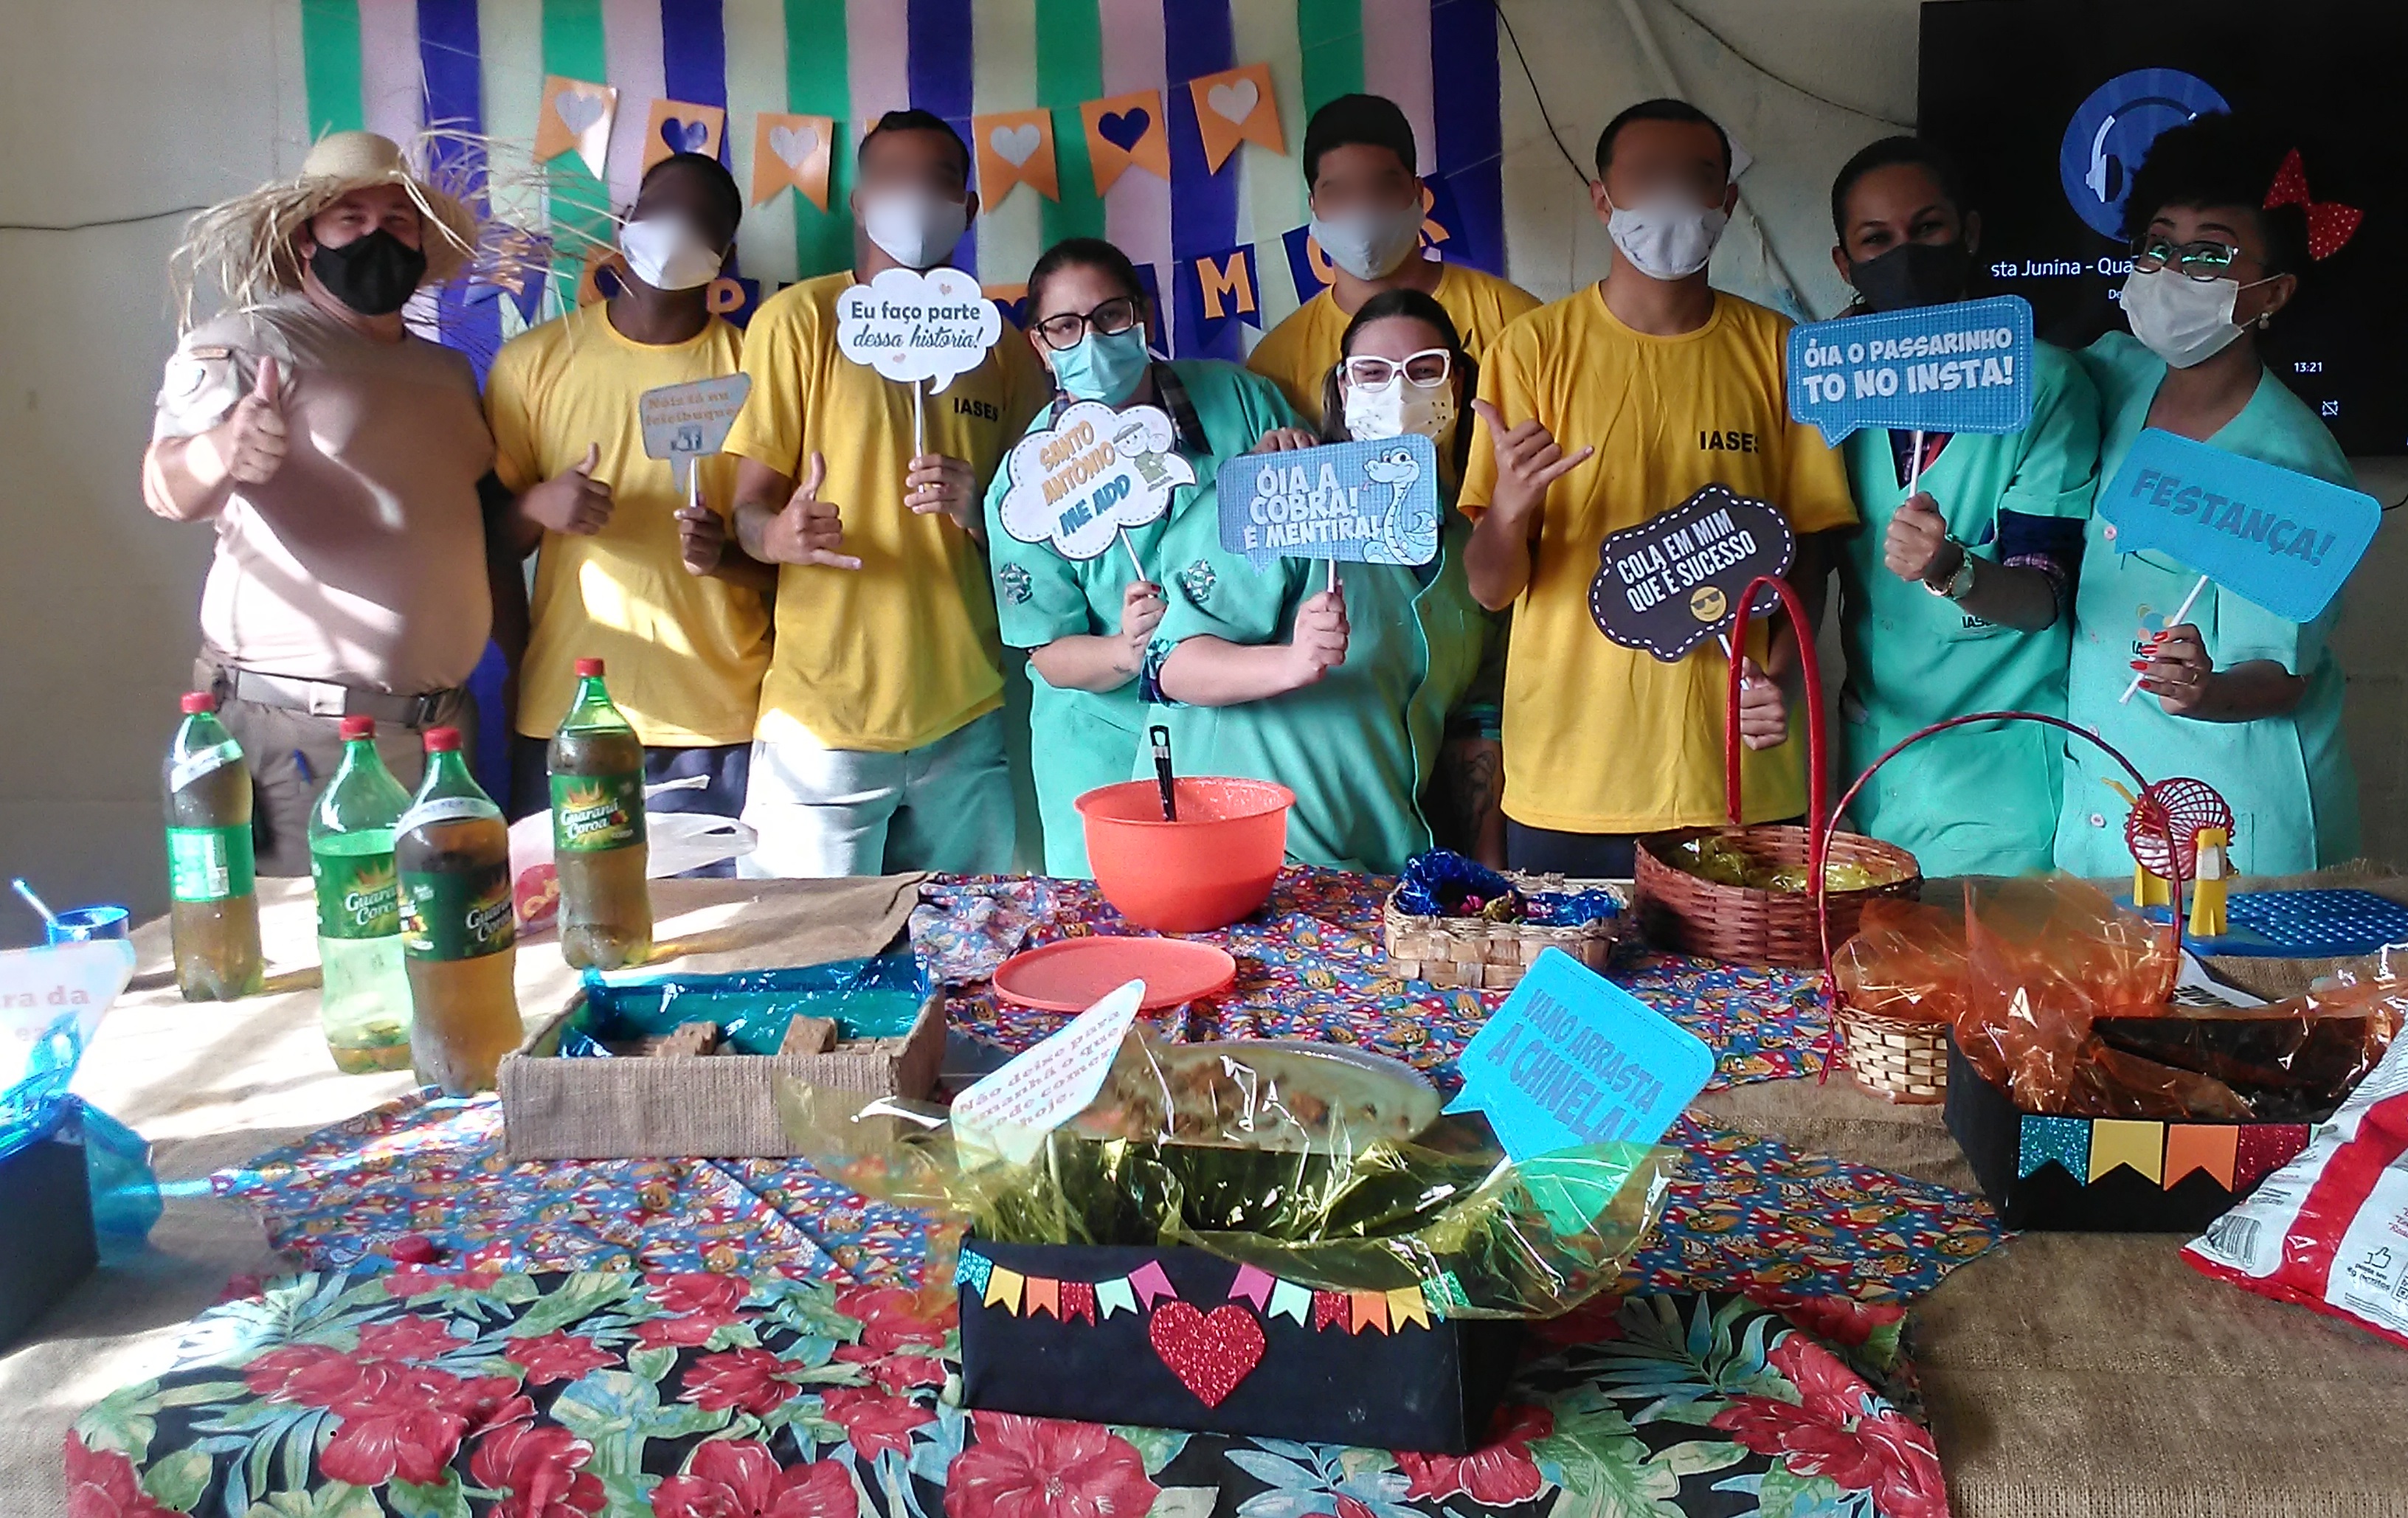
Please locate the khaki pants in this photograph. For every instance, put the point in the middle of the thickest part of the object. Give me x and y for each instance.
(293, 754)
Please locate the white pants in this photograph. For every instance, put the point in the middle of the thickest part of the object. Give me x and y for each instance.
(823, 812)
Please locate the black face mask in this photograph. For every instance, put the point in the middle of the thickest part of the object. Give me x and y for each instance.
(1913, 274)
(375, 275)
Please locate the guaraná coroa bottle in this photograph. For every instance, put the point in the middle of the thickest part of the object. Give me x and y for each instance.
(364, 996)
(598, 831)
(458, 935)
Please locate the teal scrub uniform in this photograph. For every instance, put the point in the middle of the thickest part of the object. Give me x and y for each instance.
(1082, 739)
(2287, 778)
(1357, 747)
(1973, 800)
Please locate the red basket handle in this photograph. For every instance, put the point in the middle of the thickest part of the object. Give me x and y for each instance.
(1817, 786)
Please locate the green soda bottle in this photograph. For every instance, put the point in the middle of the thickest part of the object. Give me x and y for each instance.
(365, 1001)
(597, 830)
(459, 936)
(214, 916)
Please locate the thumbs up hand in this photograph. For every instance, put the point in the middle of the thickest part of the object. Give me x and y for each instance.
(808, 530)
(573, 501)
(256, 438)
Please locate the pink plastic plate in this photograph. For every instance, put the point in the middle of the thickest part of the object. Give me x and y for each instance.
(1075, 974)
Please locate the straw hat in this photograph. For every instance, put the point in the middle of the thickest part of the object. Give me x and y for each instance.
(246, 243)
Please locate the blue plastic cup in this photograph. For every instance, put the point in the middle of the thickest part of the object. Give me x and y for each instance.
(81, 925)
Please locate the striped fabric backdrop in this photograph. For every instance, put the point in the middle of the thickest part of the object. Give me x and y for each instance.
(396, 65)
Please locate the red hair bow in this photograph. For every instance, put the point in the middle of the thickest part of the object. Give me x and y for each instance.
(2331, 223)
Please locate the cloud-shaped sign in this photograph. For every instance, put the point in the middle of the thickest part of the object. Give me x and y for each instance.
(1095, 471)
(1966, 367)
(914, 327)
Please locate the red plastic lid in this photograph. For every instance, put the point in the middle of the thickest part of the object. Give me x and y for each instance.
(443, 740)
(358, 727)
(589, 668)
(1076, 973)
(199, 701)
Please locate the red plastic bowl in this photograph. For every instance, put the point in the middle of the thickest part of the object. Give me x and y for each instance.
(1210, 868)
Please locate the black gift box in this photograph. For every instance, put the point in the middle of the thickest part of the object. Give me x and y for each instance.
(47, 1245)
(2107, 1175)
(1204, 1359)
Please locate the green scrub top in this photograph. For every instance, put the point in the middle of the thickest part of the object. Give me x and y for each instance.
(1357, 747)
(1082, 739)
(1973, 800)
(2287, 778)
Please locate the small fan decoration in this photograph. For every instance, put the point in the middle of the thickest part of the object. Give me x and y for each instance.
(2162, 828)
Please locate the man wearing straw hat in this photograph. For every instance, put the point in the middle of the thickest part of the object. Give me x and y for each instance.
(338, 456)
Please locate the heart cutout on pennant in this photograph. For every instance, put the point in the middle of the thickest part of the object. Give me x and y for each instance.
(1235, 101)
(1123, 129)
(684, 137)
(1015, 145)
(794, 145)
(578, 109)
(1209, 1353)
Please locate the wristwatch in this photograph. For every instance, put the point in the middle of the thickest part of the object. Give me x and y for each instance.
(1959, 585)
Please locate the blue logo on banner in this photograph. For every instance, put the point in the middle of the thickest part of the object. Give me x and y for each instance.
(2110, 132)
(2283, 540)
(1961, 367)
(1370, 502)
(1571, 1059)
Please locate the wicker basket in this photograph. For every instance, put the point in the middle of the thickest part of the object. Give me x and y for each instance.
(1692, 915)
(1478, 954)
(1894, 1059)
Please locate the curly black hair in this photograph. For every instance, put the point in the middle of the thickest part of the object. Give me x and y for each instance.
(2219, 160)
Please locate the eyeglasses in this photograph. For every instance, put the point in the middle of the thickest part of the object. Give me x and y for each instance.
(1067, 329)
(2203, 261)
(1428, 369)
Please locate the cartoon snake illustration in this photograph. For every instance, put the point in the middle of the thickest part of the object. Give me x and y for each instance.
(1399, 470)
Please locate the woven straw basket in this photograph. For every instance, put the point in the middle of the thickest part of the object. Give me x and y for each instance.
(1744, 926)
(1899, 1061)
(1477, 954)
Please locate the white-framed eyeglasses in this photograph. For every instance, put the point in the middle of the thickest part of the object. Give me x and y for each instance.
(1427, 370)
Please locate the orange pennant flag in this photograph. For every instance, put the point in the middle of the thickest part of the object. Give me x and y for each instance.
(1368, 1309)
(1042, 1294)
(680, 126)
(1014, 148)
(792, 151)
(1233, 107)
(2209, 1147)
(575, 114)
(1126, 130)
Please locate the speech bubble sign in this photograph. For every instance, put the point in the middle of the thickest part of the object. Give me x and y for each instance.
(50, 1003)
(1012, 1110)
(1094, 472)
(1372, 501)
(1674, 580)
(684, 423)
(1571, 1061)
(2281, 539)
(1966, 367)
(914, 327)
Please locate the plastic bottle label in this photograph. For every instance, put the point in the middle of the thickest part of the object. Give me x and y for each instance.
(210, 864)
(359, 897)
(442, 809)
(591, 814)
(457, 915)
(193, 766)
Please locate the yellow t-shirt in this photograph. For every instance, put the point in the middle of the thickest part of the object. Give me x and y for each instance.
(1599, 738)
(1299, 353)
(685, 653)
(902, 651)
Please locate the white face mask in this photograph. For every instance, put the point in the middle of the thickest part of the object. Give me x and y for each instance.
(916, 229)
(1670, 238)
(668, 253)
(2182, 319)
(1370, 244)
(1397, 408)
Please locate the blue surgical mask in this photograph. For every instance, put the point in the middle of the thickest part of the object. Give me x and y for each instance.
(1103, 368)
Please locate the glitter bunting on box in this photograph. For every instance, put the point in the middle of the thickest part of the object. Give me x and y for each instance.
(1026, 1296)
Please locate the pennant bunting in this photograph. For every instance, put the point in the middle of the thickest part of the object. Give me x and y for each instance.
(973, 1271)
(1150, 1284)
(2116, 1141)
(1308, 267)
(2209, 1148)
(1215, 289)
(1014, 148)
(1329, 1308)
(1126, 131)
(1405, 1305)
(680, 126)
(575, 115)
(1115, 1297)
(1366, 1309)
(2065, 1140)
(1445, 1296)
(1078, 1301)
(792, 151)
(2264, 1146)
(1253, 1285)
(1043, 1295)
(1290, 1301)
(1003, 1289)
(1236, 105)
(1012, 300)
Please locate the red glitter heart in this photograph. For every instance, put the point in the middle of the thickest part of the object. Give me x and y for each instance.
(1208, 1351)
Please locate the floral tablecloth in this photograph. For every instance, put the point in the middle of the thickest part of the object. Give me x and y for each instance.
(708, 1395)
